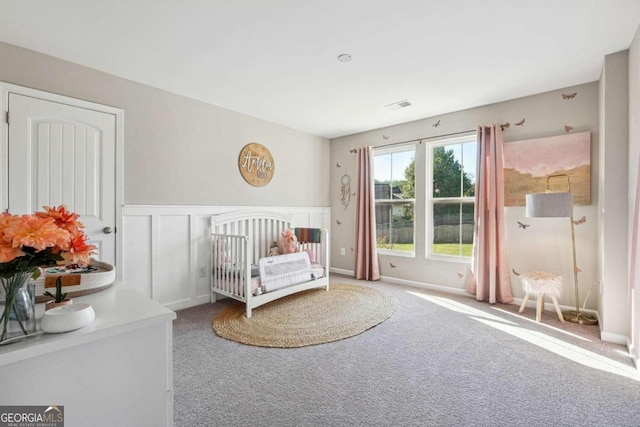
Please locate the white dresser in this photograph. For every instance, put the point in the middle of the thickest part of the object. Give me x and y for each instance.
(116, 371)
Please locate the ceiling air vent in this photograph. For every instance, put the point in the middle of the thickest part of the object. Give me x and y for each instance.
(398, 105)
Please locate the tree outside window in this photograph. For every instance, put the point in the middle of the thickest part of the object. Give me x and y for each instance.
(453, 197)
(394, 174)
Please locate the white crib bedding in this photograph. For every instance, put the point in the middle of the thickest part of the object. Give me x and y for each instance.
(317, 270)
(280, 271)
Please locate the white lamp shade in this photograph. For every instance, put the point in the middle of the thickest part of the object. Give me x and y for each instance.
(549, 205)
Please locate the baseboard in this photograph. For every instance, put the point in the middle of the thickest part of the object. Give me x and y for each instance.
(548, 306)
(633, 353)
(341, 271)
(614, 338)
(404, 282)
(428, 286)
(181, 305)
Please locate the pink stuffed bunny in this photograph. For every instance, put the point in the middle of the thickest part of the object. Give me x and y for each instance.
(288, 242)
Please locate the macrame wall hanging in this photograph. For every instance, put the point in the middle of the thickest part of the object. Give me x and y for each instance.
(345, 190)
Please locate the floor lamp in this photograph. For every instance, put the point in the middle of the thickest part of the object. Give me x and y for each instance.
(560, 205)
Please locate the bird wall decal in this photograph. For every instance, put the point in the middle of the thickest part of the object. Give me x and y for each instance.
(520, 123)
(580, 221)
(569, 96)
(522, 225)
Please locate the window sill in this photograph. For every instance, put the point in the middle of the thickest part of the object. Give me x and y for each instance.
(396, 253)
(450, 258)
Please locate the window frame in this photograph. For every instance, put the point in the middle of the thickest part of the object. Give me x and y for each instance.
(391, 150)
(431, 202)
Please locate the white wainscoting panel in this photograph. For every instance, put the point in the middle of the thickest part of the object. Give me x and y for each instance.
(166, 249)
(172, 278)
(136, 238)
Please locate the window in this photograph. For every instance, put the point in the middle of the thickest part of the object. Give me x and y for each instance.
(394, 178)
(451, 196)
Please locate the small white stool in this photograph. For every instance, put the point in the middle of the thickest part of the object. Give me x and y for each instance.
(539, 283)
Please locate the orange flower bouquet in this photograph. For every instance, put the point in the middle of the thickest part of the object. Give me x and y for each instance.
(28, 242)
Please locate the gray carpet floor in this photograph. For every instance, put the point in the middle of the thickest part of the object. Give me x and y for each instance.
(440, 360)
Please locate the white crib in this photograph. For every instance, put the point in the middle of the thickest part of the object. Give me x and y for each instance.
(239, 239)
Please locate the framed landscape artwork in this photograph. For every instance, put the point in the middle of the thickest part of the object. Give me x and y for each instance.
(527, 164)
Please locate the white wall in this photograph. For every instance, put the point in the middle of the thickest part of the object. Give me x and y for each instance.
(548, 248)
(179, 151)
(612, 203)
(633, 164)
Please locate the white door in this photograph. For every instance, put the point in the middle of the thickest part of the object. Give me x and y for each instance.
(64, 155)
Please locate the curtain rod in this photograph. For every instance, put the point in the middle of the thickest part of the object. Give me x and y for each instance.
(502, 126)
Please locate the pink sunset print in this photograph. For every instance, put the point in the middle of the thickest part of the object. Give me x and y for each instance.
(527, 164)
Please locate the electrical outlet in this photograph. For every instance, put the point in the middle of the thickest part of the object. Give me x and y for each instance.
(343, 251)
(202, 272)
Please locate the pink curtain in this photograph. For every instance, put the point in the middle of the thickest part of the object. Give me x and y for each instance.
(365, 251)
(489, 279)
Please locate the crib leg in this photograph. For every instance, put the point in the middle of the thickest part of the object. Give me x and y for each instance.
(248, 312)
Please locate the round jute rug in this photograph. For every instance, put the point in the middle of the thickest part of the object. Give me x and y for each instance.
(307, 318)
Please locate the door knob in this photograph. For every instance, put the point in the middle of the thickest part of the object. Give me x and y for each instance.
(107, 230)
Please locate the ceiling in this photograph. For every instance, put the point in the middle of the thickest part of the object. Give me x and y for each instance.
(277, 59)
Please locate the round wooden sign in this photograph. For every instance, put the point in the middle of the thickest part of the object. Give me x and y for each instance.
(256, 164)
